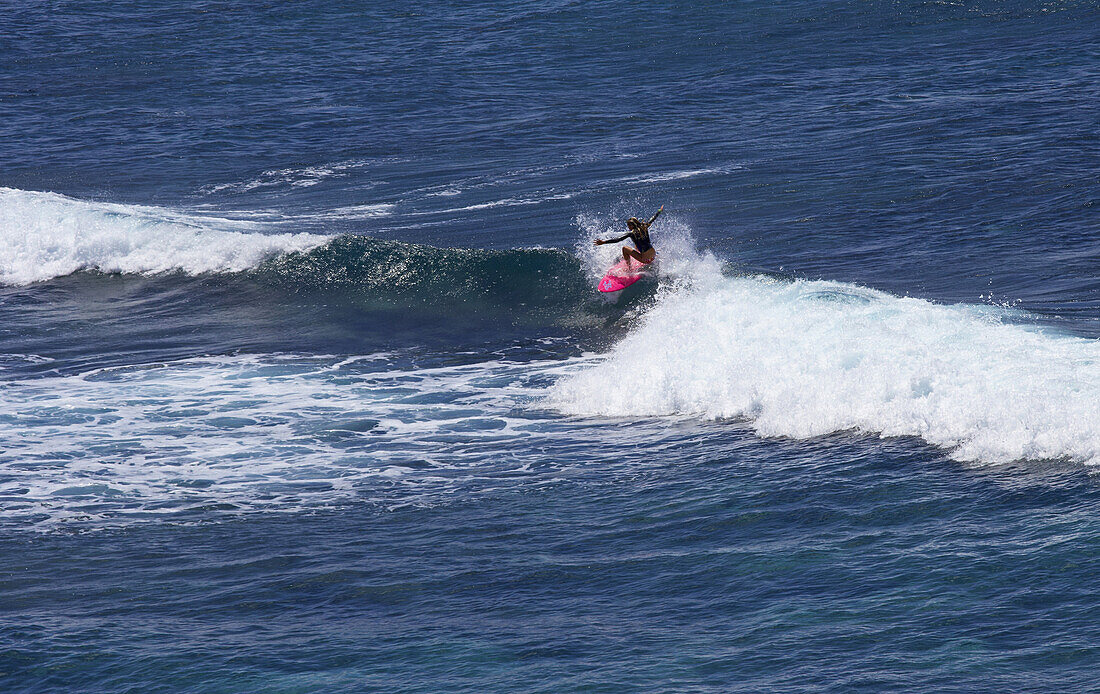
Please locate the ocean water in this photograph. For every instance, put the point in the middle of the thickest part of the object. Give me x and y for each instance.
(305, 385)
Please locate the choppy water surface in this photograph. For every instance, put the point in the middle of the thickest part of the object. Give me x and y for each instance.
(304, 383)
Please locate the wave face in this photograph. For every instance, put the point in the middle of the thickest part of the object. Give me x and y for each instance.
(397, 273)
(807, 358)
(45, 235)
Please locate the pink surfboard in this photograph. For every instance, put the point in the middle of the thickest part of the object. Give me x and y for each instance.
(622, 274)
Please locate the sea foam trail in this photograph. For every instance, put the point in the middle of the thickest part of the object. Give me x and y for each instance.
(807, 358)
(46, 235)
(266, 432)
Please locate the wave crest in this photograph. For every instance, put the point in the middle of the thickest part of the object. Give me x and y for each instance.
(46, 235)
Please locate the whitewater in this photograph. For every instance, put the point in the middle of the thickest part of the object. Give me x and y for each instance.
(45, 235)
(792, 358)
(809, 358)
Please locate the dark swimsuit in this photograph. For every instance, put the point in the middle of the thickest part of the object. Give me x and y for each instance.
(640, 237)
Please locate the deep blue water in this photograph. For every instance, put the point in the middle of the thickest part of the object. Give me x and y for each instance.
(305, 384)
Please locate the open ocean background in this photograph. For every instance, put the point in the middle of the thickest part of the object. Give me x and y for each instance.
(305, 385)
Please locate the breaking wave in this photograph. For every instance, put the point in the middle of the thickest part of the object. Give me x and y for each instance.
(46, 235)
(794, 358)
(808, 358)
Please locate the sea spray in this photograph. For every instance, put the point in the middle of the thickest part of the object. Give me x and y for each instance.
(807, 358)
(677, 255)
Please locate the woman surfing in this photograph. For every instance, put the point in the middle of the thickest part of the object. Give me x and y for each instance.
(639, 234)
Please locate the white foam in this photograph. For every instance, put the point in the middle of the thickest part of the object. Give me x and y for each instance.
(273, 432)
(294, 176)
(664, 176)
(44, 235)
(804, 359)
(369, 211)
(506, 202)
(8, 359)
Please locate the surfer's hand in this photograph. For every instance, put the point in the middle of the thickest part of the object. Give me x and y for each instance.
(598, 242)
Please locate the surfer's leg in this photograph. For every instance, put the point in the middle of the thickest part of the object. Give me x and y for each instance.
(646, 258)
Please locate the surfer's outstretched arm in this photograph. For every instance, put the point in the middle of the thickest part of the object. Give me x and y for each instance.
(600, 242)
(654, 217)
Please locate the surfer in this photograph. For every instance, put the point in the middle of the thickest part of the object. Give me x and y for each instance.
(639, 234)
